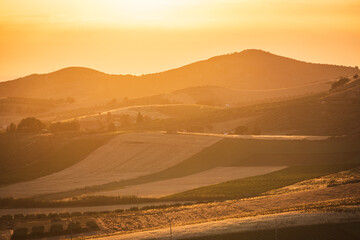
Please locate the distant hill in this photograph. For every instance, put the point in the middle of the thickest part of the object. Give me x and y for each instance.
(249, 69)
(335, 112)
(230, 97)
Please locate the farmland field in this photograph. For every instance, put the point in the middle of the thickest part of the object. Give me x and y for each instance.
(176, 185)
(257, 185)
(126, 156)
(25, 158)
(234, 152)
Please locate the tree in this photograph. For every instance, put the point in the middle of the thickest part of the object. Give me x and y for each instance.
(340, 82)
(11, 128)
(65, 126)
(139, 118)
(31, 125)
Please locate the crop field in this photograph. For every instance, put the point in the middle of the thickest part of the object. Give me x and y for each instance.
(328, 156)
(257, 185)
(126, 156)
(339, 178)
(177, 185)
(25, 158)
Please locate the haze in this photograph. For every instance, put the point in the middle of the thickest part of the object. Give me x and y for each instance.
(141, 36)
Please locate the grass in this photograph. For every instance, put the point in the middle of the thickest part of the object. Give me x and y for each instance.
(255, 186)
(244, 152)
(59, 155)
(344, 231)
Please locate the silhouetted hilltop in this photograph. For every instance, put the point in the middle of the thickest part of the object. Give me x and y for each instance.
(249, 69)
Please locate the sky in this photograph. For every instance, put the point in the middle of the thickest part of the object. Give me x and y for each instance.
(147, 36)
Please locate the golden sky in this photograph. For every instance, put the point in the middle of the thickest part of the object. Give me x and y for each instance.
(144, 36)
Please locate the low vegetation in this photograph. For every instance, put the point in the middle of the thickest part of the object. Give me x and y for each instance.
(345, 231)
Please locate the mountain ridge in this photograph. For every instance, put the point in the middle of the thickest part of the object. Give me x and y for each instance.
(249, 69)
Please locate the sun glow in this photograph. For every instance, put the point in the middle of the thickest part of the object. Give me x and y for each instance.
(145, 11)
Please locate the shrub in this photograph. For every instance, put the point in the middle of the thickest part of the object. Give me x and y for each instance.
(64, 215)
(37, 230)
(340, 82)
(133, 209)
(30, 125)
(30, 216)
(356, 76)
(53, 215)
(41, 216)
(92, 225)
(56, 229)
(119, 210)
(6, 217)
(20, 233)
(74, 227)
(19, 216)
(65, 126)
(76, 214)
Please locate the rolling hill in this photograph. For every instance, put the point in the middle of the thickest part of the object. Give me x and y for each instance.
(249, 69)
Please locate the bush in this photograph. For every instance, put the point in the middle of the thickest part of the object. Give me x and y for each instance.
(74, 227)
(56, 229)
(65, 126)
(37, 230)
(30, 125)
(119, 210)
(6, 217)
(356, 76)
(92, 225)
(76, 214)
(30, 216)
(19, 217)
(134, 209)
(20, 233)
(53, 215)
(339, 83)
(41, 216)
(64, 215)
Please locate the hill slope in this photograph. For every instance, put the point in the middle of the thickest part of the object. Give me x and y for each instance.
(249, 69)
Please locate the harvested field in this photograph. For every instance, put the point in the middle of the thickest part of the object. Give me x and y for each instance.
(126, 156)
(246, 224)
(339, 178)
(176, 185)
(227, 210)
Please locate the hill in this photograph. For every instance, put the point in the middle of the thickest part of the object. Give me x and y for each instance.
(335, 112)
(249, 69)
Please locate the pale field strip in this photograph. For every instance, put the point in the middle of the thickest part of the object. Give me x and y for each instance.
(235, 225)
(126, 156)
(177, 185)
